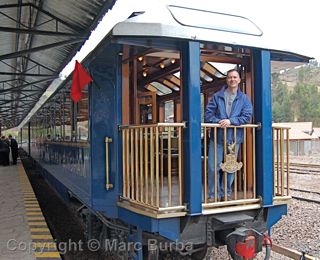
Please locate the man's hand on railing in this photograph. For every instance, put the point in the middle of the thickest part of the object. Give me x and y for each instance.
(224, 123)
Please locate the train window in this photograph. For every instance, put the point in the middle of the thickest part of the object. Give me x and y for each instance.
(169, 111)
(82, 116)
(170, 84)
(161, 88)
(154, 89)
(222, 22)
(66, 125)
(219, 69)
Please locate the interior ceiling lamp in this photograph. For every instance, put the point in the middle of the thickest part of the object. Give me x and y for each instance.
(144, 73)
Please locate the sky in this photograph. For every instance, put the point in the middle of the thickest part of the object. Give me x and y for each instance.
(291, 25)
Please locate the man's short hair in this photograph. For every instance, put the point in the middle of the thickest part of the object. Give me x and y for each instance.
(232, 70)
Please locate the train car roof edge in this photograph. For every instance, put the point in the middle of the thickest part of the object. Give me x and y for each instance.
(162, 23)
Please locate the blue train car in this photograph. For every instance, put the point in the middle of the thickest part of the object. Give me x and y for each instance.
(134, 149)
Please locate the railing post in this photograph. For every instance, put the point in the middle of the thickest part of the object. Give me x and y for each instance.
(262, 112)
(192, 133)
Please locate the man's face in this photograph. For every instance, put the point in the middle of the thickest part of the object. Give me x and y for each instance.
(233, 79)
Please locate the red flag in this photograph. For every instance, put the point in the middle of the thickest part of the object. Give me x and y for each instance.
(80, 79)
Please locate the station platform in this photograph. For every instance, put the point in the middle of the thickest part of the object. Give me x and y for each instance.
(24, 231)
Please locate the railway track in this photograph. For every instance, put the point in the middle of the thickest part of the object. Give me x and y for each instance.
(306, 199)
(307, 191)
(305, 195)
(292, 253)
(304, 168)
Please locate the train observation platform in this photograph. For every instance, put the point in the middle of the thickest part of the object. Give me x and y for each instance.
(24, 232)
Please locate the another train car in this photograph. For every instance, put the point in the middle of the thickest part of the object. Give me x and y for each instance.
(134, 152)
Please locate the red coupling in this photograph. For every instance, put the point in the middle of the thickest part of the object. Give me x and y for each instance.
(267, 241)
(246, 249)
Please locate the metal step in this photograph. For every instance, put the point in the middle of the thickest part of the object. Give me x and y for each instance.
(233, 218)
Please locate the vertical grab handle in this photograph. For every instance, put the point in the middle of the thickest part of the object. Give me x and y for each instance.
(108, 184)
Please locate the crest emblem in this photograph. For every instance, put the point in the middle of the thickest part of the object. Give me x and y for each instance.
(231, 164)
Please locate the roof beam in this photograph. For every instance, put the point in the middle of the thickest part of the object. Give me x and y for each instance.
(4, 102)
(71, 26)
(26, 85)
(40, 48)
(159, 74)
(39, 64)
(38, 32)
(27, 74)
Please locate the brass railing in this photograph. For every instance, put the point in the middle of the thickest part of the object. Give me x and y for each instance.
(152, 168)
(244, 184)
(281, 162)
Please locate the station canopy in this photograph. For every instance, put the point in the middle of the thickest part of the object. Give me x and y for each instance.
(38, 39)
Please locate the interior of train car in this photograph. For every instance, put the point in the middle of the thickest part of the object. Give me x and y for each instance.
(152, 104)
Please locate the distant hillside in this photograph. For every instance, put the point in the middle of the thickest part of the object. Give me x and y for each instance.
(296, 94)
(312, 77)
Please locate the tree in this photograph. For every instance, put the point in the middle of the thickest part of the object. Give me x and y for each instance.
(305, 97)
(281, 103)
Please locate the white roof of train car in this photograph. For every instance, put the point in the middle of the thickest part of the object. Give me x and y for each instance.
(185, 23)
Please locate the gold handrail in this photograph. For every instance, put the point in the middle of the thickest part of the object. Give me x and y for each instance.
(241, 177)
(152, 172)
(108, 184)
(153, 125)
(281, 174)
(231, 126)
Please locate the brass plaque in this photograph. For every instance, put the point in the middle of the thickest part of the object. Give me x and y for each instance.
(231, 164)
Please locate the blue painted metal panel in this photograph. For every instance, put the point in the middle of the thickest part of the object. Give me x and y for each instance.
(143, 222)
(169, 228)
(280, 56)
(263, 114)
(118, 117)
(56, 184)
(191, 100)
(67, 163)
(104, 120)
(275, 213)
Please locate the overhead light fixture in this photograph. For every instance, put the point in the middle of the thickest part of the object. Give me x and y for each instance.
(144, 73)
(162, 65)
(173, 61)
(140, 58)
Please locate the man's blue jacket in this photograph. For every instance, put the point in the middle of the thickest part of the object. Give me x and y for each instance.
(241, 113)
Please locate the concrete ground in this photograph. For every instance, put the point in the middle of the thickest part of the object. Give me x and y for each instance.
(15, 236)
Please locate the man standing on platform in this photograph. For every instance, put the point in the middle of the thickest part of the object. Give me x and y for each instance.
(227, 107)
(5, 151)
(14, 149)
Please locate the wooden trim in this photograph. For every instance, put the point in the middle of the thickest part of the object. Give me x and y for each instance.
(224, 59)
(294, 254)
(161, 112)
